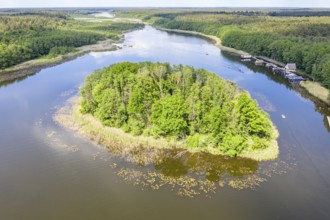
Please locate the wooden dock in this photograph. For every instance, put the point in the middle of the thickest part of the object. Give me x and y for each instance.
(277, 68)
(275, 62)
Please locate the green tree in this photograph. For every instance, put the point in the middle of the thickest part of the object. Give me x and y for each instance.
(170, 116)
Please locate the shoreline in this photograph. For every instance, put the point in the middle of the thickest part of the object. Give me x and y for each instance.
(316, 90)
(120, 142)
(217, 41)
(33, 66)
(115, 140)
(214, 39)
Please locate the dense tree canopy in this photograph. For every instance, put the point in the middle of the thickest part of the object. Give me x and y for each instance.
(177, 102)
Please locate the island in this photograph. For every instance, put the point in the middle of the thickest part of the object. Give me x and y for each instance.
(188, 108)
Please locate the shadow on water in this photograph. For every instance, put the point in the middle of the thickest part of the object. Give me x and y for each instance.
(9, 82)
(191, 174)
(177, 163)
(175, 33)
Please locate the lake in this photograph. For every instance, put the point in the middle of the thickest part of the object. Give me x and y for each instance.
(48, 172)
(103, 15)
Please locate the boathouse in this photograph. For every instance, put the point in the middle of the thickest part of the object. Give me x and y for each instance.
(243, 57)
(291, 67)
(259, 62)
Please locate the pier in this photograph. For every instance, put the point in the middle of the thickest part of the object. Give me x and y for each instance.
(287, 73)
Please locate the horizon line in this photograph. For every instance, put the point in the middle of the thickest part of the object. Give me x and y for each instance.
(155, 7)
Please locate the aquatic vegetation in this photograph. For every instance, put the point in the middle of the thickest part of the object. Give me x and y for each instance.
(184, 186)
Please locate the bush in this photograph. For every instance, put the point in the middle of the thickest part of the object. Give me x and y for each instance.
(56, 51)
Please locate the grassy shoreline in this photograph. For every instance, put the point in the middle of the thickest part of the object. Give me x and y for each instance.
(316, 90)
(214, 39)
(71, 118)
(33, 66)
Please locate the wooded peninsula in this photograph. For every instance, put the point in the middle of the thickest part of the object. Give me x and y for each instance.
(179, 103)
(33, 34)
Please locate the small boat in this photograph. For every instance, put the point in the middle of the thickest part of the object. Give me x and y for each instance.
(270, 65)
(283, 116)
(259, 62)
(243, 57)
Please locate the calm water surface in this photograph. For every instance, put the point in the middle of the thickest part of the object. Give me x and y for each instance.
(47, 172)
(103, 15)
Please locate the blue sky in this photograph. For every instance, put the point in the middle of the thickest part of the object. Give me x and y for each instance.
(164, 3)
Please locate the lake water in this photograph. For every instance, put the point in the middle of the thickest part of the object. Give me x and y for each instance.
(103, 15)
(47, 172)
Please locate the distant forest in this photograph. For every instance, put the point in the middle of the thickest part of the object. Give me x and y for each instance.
(289, 36)
(26, 35)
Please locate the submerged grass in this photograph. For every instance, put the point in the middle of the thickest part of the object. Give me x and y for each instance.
(184, 186)
(269, 153)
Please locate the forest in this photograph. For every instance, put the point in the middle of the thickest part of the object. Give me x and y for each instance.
(288, 36)
(177, 103)
(33, 34)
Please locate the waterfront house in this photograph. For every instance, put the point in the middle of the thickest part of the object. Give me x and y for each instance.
(243, 57)
(259, 62)
(291, 67)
